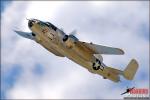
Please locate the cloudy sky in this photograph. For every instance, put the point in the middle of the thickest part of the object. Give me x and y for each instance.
(29, 71)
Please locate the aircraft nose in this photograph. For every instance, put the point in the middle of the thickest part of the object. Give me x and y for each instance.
(30, 23)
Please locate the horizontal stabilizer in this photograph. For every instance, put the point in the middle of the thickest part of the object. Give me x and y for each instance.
(73, 32)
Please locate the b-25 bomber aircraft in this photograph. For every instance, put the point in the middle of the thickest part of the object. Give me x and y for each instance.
(85, 54)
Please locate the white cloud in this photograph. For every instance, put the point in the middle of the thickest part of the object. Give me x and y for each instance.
(107, 23)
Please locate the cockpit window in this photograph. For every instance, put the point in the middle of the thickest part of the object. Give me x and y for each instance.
(41, 24)
(48, 24)
(51, 25)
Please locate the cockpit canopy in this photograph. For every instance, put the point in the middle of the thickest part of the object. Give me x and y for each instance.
(51, 25)
(48, 24)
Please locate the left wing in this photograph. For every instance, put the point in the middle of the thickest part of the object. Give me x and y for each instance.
(99, 49)
(25, 34)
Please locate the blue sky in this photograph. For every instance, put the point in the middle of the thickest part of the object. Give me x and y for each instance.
(8, 80)
(4, 4)
(31, 71)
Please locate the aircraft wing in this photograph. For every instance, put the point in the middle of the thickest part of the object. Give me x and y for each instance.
(99, 49)
(25, 34)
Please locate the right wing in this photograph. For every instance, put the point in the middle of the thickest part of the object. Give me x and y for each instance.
(99, 49)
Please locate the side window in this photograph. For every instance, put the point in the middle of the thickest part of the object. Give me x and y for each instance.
(53, 27)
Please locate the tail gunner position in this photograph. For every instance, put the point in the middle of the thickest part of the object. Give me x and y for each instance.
(85, 54)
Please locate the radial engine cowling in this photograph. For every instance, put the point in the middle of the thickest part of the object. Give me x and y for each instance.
(69, 40)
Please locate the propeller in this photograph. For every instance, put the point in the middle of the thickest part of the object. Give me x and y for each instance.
(71, 35)
(27, 19)
(74, 32)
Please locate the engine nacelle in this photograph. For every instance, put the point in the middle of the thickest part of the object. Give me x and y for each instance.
(69, 40)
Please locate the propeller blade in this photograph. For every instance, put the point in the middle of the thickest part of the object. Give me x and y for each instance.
(62, 29)
(27, 19)
(74, 32)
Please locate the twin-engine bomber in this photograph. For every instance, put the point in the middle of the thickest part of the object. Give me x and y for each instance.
(85, 54)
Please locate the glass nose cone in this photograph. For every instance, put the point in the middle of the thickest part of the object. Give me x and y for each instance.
(30, 23)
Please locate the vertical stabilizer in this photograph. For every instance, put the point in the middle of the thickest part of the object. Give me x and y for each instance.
(130, 70)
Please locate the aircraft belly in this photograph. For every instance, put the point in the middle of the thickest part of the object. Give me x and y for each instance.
(74, 56)
(82, 51)
(52, 49)
(49, 45)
